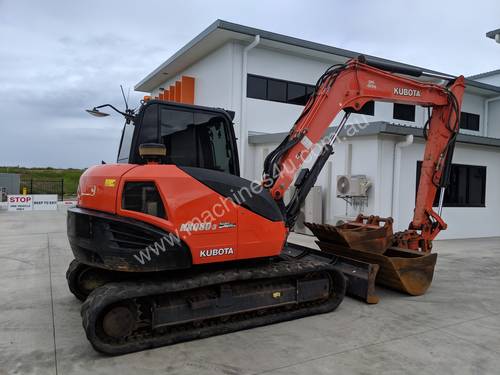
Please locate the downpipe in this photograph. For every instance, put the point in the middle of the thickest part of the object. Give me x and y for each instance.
(243, 122)
(396, 167)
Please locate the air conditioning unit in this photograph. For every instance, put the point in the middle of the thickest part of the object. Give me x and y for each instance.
(352, 186)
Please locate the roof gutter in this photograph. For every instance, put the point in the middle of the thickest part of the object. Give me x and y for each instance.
(243, 110)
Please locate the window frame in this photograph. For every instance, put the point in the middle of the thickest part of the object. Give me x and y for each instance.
(228, 126)
(309, 89)
(402, 105)
(466, 117)
(126, 158)
(456, 204)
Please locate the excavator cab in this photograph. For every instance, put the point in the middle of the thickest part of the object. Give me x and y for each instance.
(193, 136)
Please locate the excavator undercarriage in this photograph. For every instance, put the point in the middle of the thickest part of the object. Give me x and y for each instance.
(135, 312)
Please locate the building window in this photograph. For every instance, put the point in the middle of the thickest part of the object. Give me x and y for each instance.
(296, 93)
(467, 187)
(469, 121)
(367, 109)
(278, 90)
(256, 87)
(405, 112)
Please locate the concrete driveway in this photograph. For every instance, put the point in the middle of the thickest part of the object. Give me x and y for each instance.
(453, 329)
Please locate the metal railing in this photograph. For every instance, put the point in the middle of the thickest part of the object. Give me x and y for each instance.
(43, 186)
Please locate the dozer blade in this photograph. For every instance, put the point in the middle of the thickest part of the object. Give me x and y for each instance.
(408, 271)
(360, 275)
(365, 233)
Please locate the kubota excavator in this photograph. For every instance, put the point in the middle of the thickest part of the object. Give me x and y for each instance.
(170, 244)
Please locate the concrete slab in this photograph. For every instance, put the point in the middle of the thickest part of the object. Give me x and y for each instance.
(428, 353)
(452, 329)
(484, 332)
(26, 326)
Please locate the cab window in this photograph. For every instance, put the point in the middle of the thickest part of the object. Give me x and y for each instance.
(196, 140)
(126, 143)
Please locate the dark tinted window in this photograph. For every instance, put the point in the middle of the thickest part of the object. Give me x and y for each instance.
(296, 94)
(404, 112)
(367, 109)
(149, 127)
(467, 187)
(309, 90)
(276, 90)
(142, 197)
(178, 134)
(196, 140)
(469, 121)
(256, 87)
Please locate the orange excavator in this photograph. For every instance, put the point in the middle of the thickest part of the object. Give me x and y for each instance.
(170, 244)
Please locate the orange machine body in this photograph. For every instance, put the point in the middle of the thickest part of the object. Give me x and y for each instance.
(214, 227)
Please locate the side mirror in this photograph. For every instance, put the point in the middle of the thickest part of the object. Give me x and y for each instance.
(152, 152)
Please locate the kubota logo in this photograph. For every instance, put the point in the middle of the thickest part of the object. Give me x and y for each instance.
(216, 252)
(406, 92)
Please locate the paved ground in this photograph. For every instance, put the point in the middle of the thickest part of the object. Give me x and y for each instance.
(453, 329)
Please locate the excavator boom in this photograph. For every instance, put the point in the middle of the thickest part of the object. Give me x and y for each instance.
(349, 87)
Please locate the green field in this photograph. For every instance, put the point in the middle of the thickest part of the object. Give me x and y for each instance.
(70, 176)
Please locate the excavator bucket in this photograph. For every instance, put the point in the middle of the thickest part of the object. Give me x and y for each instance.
(408, 271)
(364, 233)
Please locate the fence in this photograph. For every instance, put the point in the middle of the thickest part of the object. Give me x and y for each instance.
(36, 186)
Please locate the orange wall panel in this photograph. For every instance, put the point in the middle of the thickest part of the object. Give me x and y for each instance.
(187, 93)
(172, 93)
(178, 90)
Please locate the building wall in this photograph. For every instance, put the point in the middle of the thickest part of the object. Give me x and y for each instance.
(463, 222)
(367, 154)
(474, 104)
(213, 74)
(494, 118)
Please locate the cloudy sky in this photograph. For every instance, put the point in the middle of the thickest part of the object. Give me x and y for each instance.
(59, 57)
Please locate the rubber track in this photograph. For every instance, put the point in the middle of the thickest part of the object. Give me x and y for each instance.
(74, 268)
(114, 292)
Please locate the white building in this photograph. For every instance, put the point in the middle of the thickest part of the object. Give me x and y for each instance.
(260, 75)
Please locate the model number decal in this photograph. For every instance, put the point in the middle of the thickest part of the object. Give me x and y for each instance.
(216, 252)
(195, 227)
(406, 92)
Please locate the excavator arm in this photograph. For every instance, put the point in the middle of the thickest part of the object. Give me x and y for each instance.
(349, 87)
